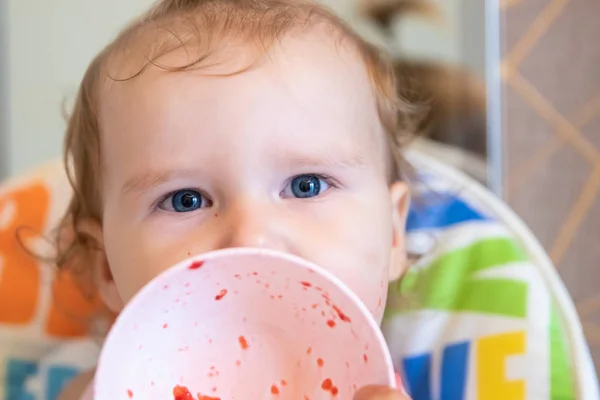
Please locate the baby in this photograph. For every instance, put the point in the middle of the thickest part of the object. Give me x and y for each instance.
(210, 124)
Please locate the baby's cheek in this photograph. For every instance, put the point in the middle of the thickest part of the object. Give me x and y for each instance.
(381, 300)
(368, 279)
(373, 297)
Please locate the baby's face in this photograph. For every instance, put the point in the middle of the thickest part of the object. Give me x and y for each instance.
(288, 156)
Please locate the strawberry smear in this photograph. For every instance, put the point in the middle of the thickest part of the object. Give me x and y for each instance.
(328, 386)
(203, 397)
(196, 265)
(243, 343)
(182, 393)
(221, 294)
(340, 314)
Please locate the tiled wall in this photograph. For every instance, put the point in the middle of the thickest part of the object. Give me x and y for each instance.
(551, 88)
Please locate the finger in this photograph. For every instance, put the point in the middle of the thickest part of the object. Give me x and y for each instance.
(379, 393)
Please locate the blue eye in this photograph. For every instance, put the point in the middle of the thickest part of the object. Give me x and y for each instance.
(306, 186)
(184, 201)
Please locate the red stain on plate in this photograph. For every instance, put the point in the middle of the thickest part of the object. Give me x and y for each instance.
(129, 393)
(221, 294)
(320, 362)
(331, 323)
(328, 386)
(274, 390)
(306, 284)
(243, 343)
(182, 393)
(203, 397)
(165, 326)
(365, 358)
(196, 265)
(340, 314)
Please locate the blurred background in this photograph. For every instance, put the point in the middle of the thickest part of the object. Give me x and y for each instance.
(514, 88)
(46, 46)
(550, 136)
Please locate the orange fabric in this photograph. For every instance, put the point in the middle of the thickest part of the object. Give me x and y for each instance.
(69, 310)
(20, 275)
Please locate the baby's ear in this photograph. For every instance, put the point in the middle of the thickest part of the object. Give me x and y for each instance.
(102, 274)
(400, 197)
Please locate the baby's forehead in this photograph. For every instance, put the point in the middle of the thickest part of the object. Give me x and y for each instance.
(303, 77)
(306, 56)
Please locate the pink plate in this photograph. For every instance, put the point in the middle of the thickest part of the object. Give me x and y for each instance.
(243, 324)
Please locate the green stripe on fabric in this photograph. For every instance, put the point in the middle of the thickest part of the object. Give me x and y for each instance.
(561, 371)
(449, 284)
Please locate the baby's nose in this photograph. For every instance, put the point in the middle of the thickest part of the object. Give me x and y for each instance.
(252, 225)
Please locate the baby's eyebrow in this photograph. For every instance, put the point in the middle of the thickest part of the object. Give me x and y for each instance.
(345, 161)
(146, 181)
